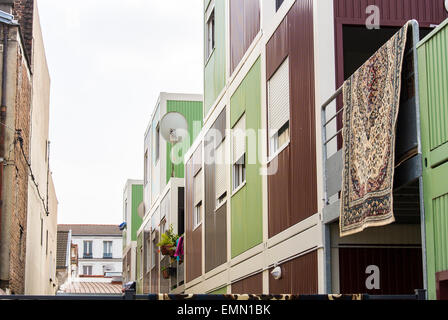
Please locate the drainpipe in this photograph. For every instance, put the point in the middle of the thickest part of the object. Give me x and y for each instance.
(3, 115)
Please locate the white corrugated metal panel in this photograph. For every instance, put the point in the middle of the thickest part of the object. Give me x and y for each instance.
(220, 170)
(239, 139)
(278, 97)
(197, 188)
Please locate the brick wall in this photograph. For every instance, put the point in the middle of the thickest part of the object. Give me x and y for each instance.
(19, 183)
(23, 12)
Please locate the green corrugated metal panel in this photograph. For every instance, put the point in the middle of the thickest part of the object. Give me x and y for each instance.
(139, 281)
(220, 291)
(192, 111)
(440, 213)
(215, 69)
(433, 79)
(246, 204)
(137, 198)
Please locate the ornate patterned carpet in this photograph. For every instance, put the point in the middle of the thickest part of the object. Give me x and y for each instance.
(371, 102)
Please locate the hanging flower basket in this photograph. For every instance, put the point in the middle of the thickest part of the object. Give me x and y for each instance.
(167, 250)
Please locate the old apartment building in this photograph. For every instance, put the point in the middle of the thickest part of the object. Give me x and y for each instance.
(28, 213)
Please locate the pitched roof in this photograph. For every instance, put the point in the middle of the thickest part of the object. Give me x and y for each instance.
(92, 288)
(61, 249)
(91, 229)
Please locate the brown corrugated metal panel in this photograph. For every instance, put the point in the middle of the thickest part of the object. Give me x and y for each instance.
(251, 285)
(393, 13)
(277, 48)
(193, 238)
(401, 269)
(278, 195)
(244, 26)
(215, 221)
(299, 276)
(297, 31)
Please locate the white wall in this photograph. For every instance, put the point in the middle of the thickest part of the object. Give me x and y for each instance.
(97, 262)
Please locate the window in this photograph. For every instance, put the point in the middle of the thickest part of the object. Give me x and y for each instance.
(107, 249)
(239, 153)
(278, 108)
(145, 168)
(87, 249)
(87, 270)
(278, 4)
(197, 215)
(154, 253)
(157, 142)
(220, 174)
(210, 34)
(197, 212)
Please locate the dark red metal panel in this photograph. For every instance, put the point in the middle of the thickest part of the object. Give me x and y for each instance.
(401, 270)
(279, 194)
(193, 238)
(294, 38)
(299, 276)
(442, 285)
(251, 285)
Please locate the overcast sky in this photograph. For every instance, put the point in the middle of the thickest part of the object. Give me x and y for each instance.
(108, 61)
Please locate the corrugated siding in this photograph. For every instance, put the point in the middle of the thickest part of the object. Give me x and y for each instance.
(251, 285)
(220, 291)
(294, 38)
(192, 111)
(215, 220)
(193, 238)
(437, 85)
(440, 216)
(244, 26)
(137, 198)
(433, 78)
(401, 270)
(247, 222)
(215, 68)
(393, 12)
(299, 276)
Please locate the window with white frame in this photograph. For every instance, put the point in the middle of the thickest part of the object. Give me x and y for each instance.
(87, 270)
(197, 212)
(220, 174)
(210, 31)
(87, 249)
(239, 153)
(278, 108)
(107, 249)
(197, 215)
(154, 252)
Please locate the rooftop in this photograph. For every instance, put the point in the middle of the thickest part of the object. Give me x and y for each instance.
(90, 288)
(91, 229)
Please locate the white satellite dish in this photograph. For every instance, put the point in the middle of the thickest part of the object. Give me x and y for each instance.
(446, 5)
(174, 129)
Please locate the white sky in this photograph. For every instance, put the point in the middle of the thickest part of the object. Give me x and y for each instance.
(108, 61)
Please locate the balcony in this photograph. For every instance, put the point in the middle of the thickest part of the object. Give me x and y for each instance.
(87, 256)
(408, 170)
(107, 256)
